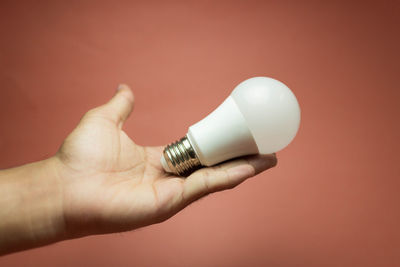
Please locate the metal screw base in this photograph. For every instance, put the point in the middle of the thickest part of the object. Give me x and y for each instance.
(181, 157)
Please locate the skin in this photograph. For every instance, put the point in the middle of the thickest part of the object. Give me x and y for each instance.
(101, 182)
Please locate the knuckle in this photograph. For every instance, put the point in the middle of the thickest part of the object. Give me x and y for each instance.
(206, 180)
(92, 112)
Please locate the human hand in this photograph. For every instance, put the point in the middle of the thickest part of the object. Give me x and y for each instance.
(110, 184)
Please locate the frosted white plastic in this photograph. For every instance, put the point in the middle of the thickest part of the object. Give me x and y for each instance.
(260, 116)
(222, 135)
(271, 111)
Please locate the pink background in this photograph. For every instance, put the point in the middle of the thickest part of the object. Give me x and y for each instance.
(334, 198)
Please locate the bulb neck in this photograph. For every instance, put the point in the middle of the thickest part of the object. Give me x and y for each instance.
(181, 158)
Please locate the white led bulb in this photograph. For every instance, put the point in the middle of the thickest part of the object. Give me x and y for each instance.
(261, 115)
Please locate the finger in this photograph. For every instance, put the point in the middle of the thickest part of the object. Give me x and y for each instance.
(120, 105)
(225, 176)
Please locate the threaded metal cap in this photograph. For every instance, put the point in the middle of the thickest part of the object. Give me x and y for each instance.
(181, 157)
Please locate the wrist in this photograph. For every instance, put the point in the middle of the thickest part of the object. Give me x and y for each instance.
(50, 191)
(31, 205)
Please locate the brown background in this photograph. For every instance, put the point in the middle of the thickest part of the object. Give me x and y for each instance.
(334, 198)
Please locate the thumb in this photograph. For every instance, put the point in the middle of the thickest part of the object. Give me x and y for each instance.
(120, 105)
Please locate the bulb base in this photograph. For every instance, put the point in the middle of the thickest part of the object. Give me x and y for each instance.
(180, 158)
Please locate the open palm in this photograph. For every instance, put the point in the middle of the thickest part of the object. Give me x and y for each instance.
(111, 184)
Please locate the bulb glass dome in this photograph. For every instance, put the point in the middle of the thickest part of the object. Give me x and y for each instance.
(271, 111)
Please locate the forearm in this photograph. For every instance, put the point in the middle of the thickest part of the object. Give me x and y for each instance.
(31, 207)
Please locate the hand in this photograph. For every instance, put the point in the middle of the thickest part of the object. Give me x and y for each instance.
(110, 184)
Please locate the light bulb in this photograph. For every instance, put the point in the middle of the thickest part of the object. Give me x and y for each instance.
(261, 116)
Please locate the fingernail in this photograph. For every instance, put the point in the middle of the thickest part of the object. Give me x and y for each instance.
(261, 163)
(120, 86)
